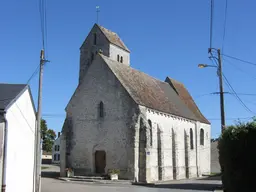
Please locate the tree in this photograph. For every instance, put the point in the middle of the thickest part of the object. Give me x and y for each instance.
(237, 157)
(48, 136)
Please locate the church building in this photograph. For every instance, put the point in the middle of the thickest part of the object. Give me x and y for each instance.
(121, 118)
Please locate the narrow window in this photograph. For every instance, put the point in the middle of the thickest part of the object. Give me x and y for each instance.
(55, 147)
(191, 139)
(101, 109)
(118, 58)
(58, 148)
(55, 157)
(151, 134)
(92, 57)
(121, 59)
(201, 137)
(94, 39)
(58, 157)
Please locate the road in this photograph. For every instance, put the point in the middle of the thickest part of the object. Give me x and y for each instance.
(49, 184)
(54, 185)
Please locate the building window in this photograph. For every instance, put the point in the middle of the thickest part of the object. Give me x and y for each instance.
(151, 134)
(55, 157)
(94, 38)
(118, 57)
(101, 109)
(121, 59)
(191, 139)
(57, 148)
(201, 137)
(58, 157)
(92, 57)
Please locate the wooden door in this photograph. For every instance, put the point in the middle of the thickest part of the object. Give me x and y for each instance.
(100, 161)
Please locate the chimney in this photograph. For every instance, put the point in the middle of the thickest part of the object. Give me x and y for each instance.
(58, 134)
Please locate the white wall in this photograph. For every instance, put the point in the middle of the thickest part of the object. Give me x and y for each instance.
(20, 147)
(204, 150)
(166, 123)
(114, 51)
(54, 152)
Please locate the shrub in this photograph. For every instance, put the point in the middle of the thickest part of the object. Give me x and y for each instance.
(237, 157)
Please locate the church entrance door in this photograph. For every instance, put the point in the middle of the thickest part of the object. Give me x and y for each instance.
(100, 161)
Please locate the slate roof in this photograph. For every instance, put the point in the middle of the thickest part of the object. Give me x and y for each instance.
(8, 93)
(187, 99)
(148, 91)
(113, 38)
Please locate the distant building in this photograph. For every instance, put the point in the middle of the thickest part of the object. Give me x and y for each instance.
(17, 137)
(56, 150)
(122, 118)
(46, 157)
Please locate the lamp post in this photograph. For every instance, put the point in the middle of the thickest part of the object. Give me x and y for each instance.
(219, 72)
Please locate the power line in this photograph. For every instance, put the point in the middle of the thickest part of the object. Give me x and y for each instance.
(225, 23)
(242, 60)
(211, 22)
(33, 74)
(239, 69)
(231, 118)
(236, 96)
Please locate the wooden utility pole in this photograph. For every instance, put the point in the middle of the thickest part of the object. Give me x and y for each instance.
(222, 111)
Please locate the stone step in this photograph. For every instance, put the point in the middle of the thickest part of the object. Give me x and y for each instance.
(88, 177)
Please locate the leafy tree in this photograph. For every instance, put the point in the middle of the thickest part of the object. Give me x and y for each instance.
(48, 136)
(237, 157)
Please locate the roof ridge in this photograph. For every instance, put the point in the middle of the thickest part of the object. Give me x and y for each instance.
(132, 68)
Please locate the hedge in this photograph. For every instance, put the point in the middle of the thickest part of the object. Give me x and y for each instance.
(237, 157)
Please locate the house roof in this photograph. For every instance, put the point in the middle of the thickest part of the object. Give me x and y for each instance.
(113, 38)
(148, 91)
(9, 93)
(187, 99)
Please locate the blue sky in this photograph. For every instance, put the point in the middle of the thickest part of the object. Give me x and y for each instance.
(166, 38)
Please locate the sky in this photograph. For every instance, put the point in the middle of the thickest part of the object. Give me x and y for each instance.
(166, 38)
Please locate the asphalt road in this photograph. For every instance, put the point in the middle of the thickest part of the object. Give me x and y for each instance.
(54, 185)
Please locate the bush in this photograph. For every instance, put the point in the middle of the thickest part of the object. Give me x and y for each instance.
(237, 157)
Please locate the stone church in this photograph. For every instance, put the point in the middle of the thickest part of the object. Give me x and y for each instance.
(121, 118)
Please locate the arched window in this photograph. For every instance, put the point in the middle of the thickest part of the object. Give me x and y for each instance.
(101, 109)
(201, 137)
(191, 139)
(151, 134)
(118, 58)
(94, 38)
(121, 59)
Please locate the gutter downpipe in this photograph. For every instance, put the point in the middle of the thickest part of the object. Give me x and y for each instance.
(3, 187)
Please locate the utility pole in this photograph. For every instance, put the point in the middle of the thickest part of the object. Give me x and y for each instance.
(38, 131)
(222, 111)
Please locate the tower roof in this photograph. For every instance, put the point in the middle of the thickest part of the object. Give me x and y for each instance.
(113, 38)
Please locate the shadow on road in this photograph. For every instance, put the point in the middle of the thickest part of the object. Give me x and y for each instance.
(188, 186)
(50, 174)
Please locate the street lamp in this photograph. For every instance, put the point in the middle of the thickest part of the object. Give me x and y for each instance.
(219, 72)
(205, 65)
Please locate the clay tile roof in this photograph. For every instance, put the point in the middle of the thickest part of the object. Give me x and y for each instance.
(148, 91)
(113, 38)
(187, 99)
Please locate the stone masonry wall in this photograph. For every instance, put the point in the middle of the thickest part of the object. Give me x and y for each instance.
(114, 133)
(174, 128)
(88, 48)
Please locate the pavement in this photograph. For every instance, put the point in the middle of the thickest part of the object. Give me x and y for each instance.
(52, 183)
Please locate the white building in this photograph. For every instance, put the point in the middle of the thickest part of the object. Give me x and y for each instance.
(17, 138)
(121, 118)
(56, 150)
